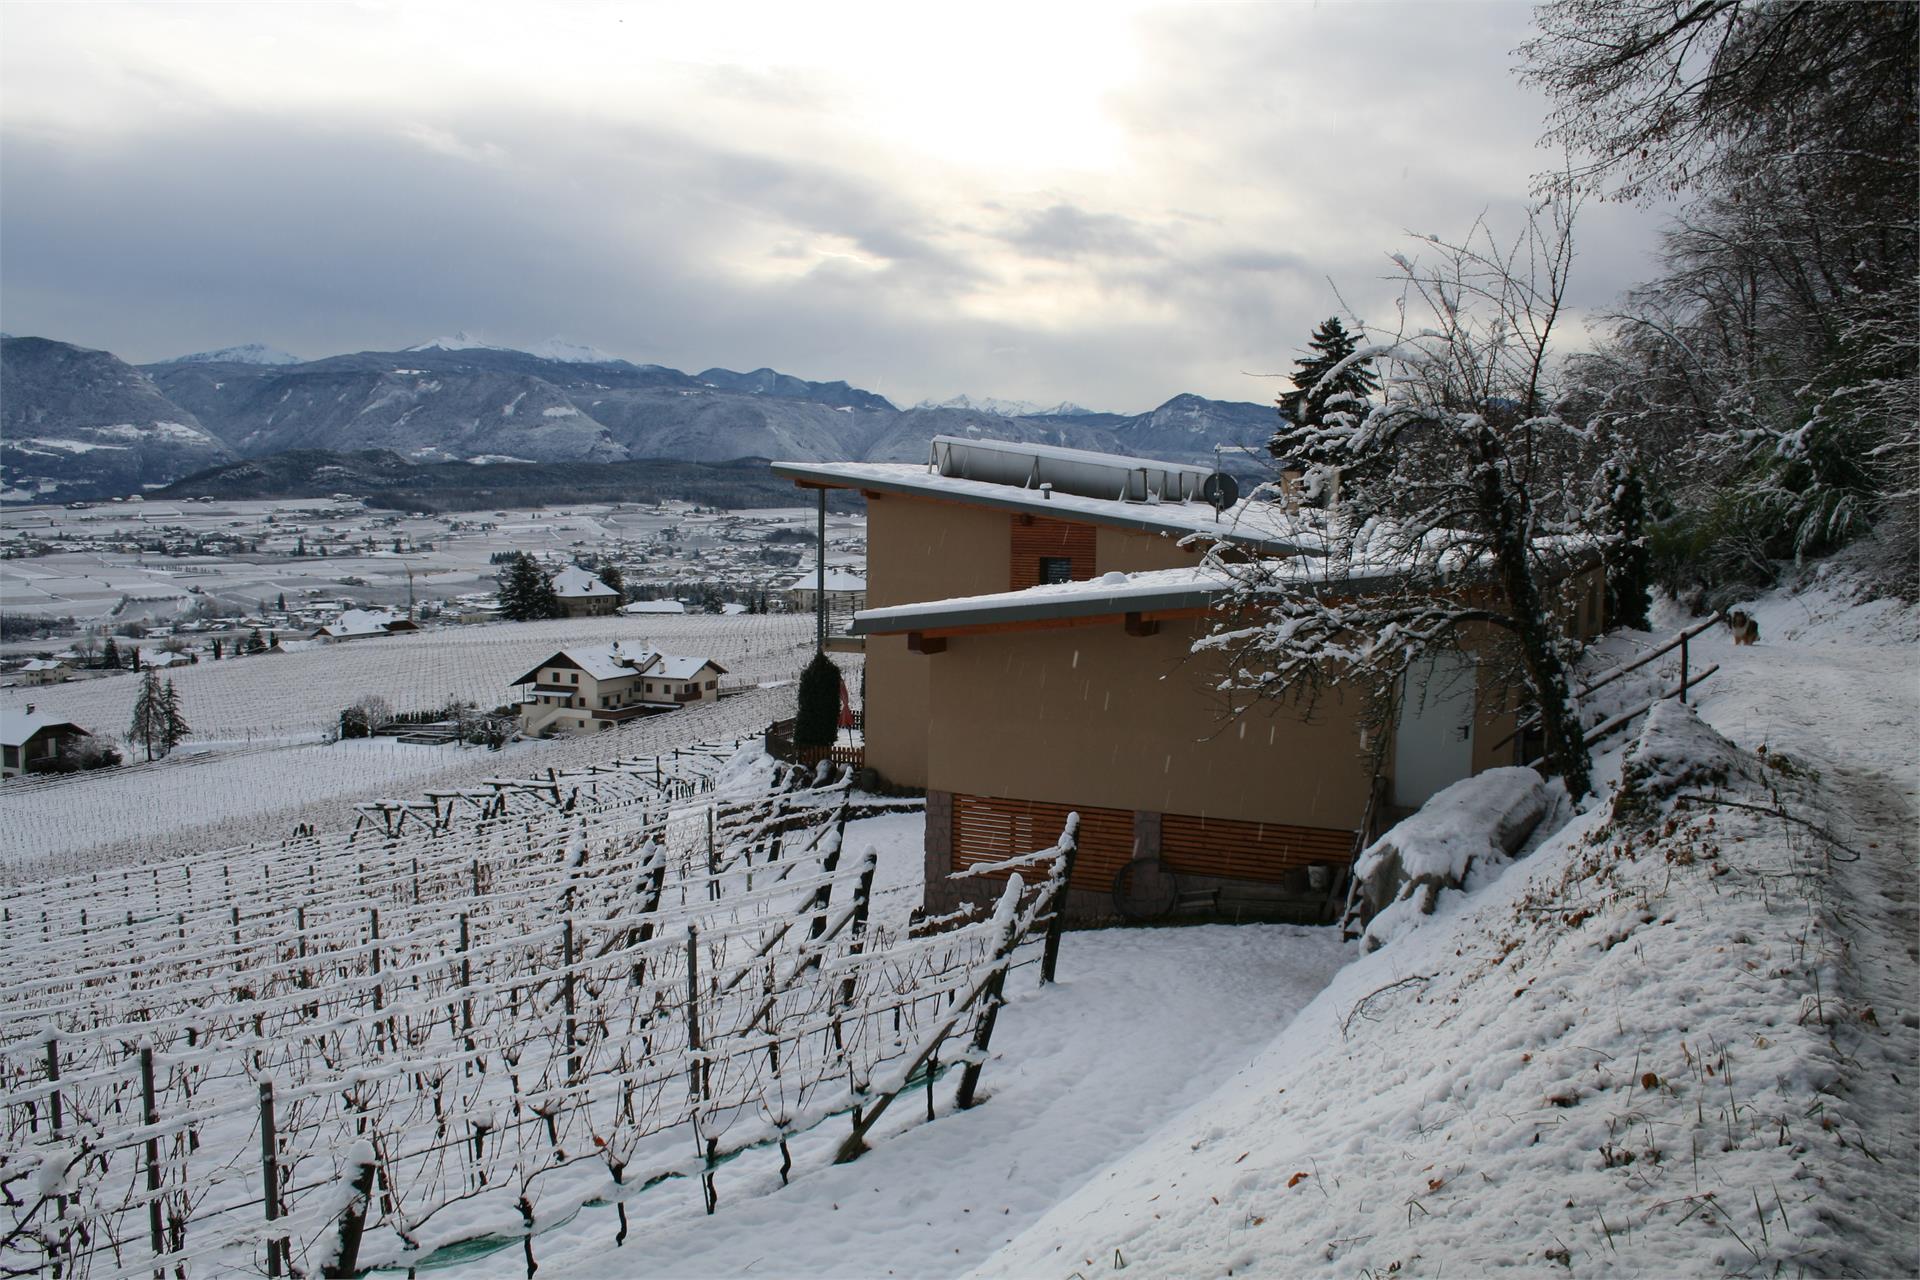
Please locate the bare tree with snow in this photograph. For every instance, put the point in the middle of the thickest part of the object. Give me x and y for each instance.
(1456, 506)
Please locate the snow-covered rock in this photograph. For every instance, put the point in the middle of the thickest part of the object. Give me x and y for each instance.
(1466, 831)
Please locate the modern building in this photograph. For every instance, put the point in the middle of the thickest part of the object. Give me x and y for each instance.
(1029, 652)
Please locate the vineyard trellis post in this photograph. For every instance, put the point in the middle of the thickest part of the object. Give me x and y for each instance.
(269, 1177)
(1009, 936)
(150, 1116)
(1057, 899)
(353, 1218)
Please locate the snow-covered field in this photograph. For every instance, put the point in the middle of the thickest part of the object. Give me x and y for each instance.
(275, 696)
(258, 763)
(1679, 1041)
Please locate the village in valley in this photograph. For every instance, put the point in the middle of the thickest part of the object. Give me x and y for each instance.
(1458, 814)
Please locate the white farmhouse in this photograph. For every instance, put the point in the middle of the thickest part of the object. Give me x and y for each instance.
(587, 690)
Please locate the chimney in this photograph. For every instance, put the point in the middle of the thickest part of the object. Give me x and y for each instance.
(29, 708)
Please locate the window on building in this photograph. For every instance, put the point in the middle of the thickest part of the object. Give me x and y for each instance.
(573, 677)
(1056, 568)
(711, 683)
(13, 757)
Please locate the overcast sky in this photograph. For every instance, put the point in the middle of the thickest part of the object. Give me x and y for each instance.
(1107, 203)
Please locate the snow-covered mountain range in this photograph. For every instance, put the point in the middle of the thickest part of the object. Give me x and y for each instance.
(246, 353)
(458, 398)
(1008, 408)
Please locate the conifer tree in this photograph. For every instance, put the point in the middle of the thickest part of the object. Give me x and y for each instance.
(174, 728)
(611, 575)
(815, 721)
(149, 716)
(525, 593)
(256, 643)
(110, 654)
(1329, 345)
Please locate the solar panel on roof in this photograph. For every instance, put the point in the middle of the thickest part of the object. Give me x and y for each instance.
(1110, 476)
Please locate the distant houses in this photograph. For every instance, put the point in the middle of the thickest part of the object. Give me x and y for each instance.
(363, 624)
(654, 608)
(586, 690)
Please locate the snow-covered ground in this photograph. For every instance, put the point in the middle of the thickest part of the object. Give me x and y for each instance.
(1688, 1048)
(1682, 1042)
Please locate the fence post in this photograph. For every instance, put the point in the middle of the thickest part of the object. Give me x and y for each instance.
(1057, 900)
(53, 1078)
(996, 984)
(353, 1219)
(466, 984)
(270, 1176)
(567, 998)
(150, 1116)
(1683, 669)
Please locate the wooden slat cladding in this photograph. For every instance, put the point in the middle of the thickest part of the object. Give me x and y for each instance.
(1035, 537)
(1246, 850)
(989, 829)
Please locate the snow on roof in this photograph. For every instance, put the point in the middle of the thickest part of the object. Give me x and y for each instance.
(17, 728)
(654, 606)
(361, 622)
(1266, 526)
(297, 646)
(684, 668)
(575, 583)
(609, 663)
(1150, 590)
(837, 580)
(44, 664)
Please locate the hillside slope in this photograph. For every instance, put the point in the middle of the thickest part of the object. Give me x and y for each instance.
(1680, 1043)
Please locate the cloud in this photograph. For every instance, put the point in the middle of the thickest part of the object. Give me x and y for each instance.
(1153, 211)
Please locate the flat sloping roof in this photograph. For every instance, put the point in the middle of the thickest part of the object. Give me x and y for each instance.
(1154, 591)
(1265, 527)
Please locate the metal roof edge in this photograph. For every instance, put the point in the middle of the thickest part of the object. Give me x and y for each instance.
(1050, 609)
(1027, 504)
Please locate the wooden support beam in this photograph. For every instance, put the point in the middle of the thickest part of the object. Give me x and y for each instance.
(919, 642)
(1138, 625)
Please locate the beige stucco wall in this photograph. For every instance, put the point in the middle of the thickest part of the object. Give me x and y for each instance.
(1082, 715)
(920, 550)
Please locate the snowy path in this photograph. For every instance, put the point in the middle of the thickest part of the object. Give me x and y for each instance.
(1852, 712)
(1142, 1024)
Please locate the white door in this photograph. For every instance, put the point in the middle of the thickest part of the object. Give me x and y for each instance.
(1433, 742)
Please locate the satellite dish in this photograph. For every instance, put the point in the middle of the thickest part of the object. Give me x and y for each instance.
(1220, 490)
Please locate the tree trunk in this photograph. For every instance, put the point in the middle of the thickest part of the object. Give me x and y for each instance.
(1505, 511)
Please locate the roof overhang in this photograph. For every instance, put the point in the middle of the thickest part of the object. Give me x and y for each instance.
(1008, 612)
(1000, 497)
